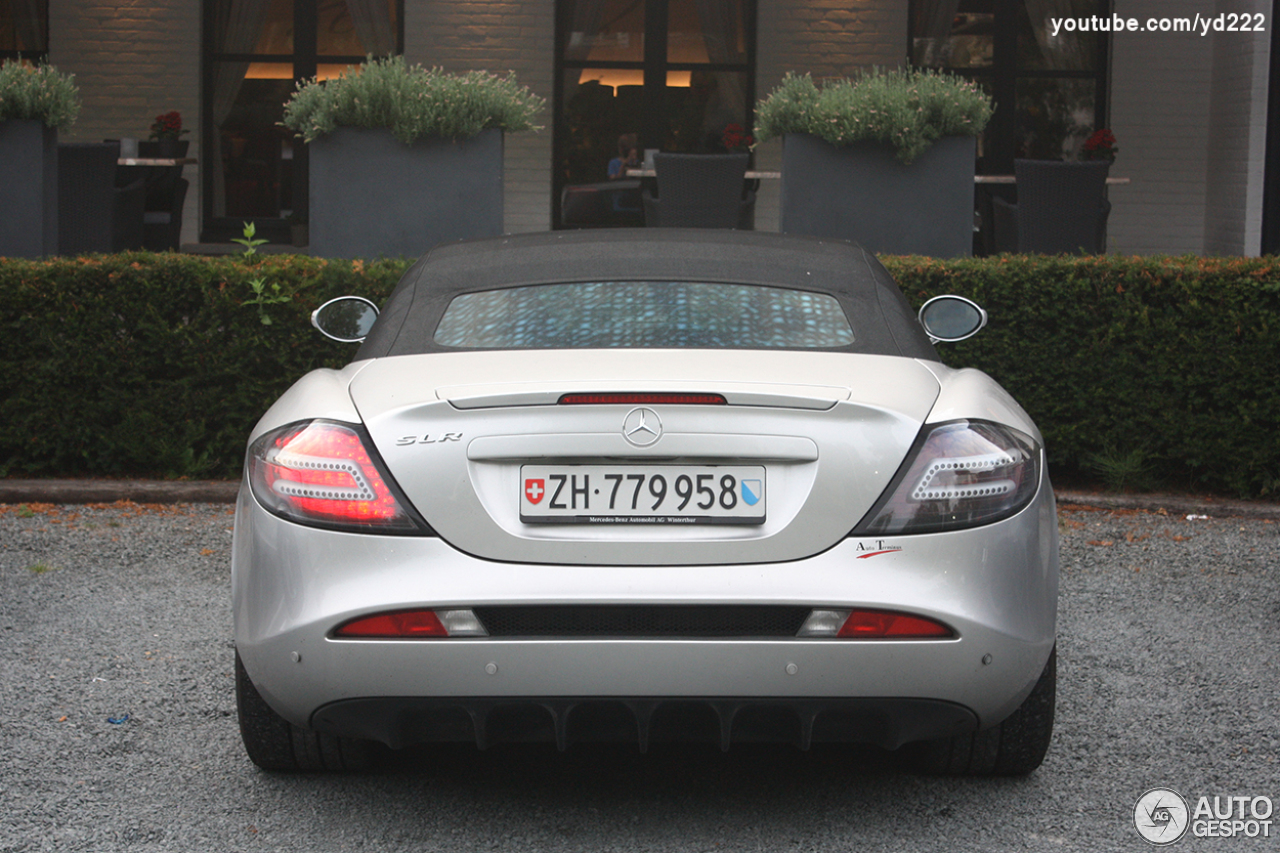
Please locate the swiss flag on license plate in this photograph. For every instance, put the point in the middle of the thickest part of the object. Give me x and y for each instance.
(534, 490)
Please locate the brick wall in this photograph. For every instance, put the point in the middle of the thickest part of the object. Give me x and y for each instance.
(1236, 154)
(1160, 98)
(828, 38)
(497, 36)
(132, 60)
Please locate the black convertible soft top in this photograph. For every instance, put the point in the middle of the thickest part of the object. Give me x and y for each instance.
(883, 322)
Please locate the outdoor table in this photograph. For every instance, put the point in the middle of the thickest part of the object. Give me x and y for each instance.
(755, 176)
(750, 176)
(156, 161)
(1010, 179)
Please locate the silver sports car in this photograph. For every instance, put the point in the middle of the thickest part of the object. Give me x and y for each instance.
(650, 486)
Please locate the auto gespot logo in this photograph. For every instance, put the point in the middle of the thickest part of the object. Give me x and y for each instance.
(1162, 816)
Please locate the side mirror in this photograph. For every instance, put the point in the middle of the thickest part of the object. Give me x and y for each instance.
(347, 319)
(947, 319)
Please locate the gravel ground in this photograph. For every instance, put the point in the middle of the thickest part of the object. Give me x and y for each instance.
(118, 730)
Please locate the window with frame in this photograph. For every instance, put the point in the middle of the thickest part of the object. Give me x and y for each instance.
(256, 51)
(1050, 89)
(644, 314)
(670, 75)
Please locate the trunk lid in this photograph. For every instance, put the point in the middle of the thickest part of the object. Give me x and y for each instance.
(824, 433)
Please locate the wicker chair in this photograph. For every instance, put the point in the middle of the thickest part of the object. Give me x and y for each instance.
(1061, 209)
(700, 191)
(94, 215)
(162, 221)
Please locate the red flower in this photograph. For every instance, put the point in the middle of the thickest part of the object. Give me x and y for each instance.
(735, 138)
(167, 126)
(1100, 146)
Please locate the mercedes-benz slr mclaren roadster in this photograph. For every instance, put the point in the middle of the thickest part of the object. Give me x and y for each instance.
(647, 486)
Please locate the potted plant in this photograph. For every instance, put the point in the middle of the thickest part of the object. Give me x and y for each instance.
(404, 158)
(166, 137)
(886, 158)
(35, 103)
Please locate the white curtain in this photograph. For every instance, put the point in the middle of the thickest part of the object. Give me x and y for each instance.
(1068, 51)
(239, 27)
(728, 101)
(374, 25)
(930, 29)
(720, 20)
(587, 18)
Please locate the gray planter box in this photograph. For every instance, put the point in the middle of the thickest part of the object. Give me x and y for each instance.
(373, 196)
(861, 192)
(28, 189)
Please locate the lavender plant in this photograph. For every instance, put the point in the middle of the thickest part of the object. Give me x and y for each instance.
(411, 101)
(907, 109)
(39, 92)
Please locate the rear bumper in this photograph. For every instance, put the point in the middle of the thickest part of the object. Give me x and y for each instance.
(995, 585)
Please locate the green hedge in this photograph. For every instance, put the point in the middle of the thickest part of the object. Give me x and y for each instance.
(1145, 371)
(153, 364)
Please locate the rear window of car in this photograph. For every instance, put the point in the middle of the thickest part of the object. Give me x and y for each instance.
(643, 314)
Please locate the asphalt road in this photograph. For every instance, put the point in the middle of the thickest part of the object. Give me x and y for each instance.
(118, 730)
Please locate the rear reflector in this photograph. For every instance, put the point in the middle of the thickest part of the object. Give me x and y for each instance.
(872, 625)
(636, 399)
(418, 623)
(413, 624)
(875, 624)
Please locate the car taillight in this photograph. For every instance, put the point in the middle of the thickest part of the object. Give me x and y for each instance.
(873, 625)
(960, 474)
(413, 624)
(320, 473)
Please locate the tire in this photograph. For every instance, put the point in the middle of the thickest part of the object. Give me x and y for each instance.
(1014, 747)
(273, 743)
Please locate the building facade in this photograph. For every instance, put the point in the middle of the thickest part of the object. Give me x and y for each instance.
(1190, 108)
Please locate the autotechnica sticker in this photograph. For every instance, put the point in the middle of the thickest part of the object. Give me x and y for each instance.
(876, 547)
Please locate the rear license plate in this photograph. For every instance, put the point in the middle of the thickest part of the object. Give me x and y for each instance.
(642, 494)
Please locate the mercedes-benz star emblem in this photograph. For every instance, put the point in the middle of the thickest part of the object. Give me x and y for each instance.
(642, 427)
